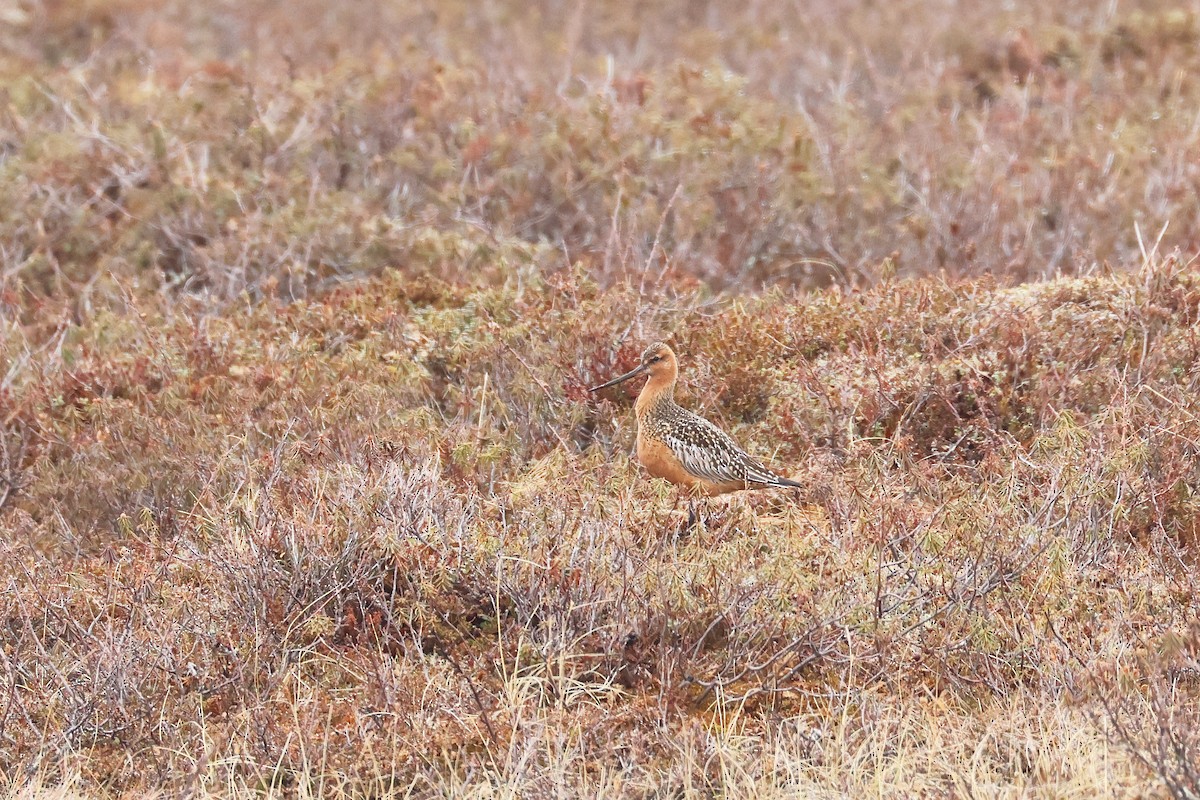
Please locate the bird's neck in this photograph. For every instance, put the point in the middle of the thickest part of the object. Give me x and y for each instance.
(658, 389)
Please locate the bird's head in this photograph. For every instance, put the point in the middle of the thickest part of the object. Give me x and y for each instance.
(658, 360)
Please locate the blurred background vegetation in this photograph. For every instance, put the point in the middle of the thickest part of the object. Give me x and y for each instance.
(249, 149)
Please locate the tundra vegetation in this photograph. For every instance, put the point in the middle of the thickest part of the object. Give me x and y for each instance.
(302, 493)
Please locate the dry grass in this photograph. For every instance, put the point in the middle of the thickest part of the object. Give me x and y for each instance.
(278, 152)
(329, 542)
(302, 492)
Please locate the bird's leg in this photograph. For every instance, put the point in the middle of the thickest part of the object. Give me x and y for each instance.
(695, 509)
(678, 495)
(687, 527)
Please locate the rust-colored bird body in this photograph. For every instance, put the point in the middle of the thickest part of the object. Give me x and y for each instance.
(685, 448)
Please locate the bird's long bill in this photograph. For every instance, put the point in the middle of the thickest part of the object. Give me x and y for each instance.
(631, 374)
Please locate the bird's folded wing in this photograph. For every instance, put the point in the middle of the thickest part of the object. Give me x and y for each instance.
(707, 452)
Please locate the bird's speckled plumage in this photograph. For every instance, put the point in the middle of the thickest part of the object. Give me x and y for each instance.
(683, 447)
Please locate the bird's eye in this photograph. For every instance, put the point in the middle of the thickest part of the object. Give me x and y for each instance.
(656, 359)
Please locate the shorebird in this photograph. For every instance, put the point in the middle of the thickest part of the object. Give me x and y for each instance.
(685, 448)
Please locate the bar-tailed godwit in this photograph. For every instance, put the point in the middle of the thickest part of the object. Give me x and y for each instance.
(685, 448)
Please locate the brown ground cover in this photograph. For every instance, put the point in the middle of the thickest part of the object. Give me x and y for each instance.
(302, 492)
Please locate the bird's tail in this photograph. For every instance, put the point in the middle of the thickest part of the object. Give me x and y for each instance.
(786, 482)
